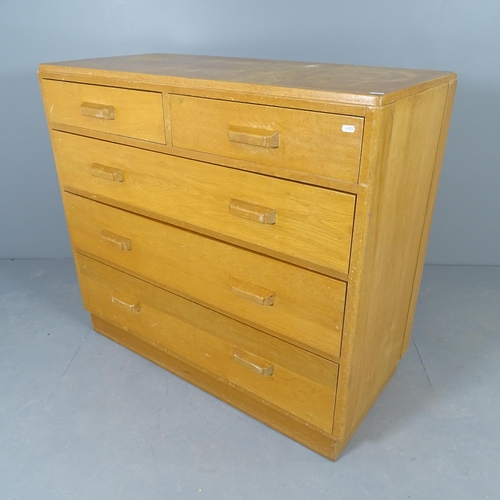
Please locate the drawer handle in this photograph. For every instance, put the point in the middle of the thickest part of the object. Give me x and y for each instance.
(102, 111)
(119, 241)
(133, 307)
(258, 365)
(257, 213)
(108, 173)
(252, 293)
(254, 136)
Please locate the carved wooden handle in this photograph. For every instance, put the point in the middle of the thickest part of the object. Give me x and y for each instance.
(257, 213)
(252, 293)
(105, 172)
(119, 241)
(254, 136)
(131, 306)
(102, 111)
(258, 365)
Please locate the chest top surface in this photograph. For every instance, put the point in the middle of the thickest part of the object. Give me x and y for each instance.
(346, 83)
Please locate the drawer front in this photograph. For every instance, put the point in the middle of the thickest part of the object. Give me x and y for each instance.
(130, 113)
(280, 298)
(304, 222)
(274, 371)
(322, 144)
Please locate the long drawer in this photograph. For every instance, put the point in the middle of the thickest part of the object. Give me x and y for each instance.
(279, 298)
(130, 113)
(292, 379)
(304, 222)
(322, 144)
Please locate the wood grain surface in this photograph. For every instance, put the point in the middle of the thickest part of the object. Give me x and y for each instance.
(316, 143)
(300, 383)
(256, 227)
(399, 183)
(136, 113)
(338, 82)
(308, 307)
(284, 422)
(312, 224)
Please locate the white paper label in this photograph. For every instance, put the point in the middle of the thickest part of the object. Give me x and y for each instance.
(348, 128)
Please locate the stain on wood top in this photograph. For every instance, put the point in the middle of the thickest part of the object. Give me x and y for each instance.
(352, 84)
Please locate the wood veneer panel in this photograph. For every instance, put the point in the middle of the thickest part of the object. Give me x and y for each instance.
(321, 144)
(308, 307)
(342, 83)
(429, 211)
(298, 382)
(405, 113)
(312, 225)
(311, 437)
(129, 113)
(396, 201)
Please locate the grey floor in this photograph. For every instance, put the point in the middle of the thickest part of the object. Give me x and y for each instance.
(83, 418)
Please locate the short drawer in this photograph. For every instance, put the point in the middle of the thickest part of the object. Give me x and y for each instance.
(322, 144)
(307, 223)
(286, 376)
(131, 113)
(282, 299)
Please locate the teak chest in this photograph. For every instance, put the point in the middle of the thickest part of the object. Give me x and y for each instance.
(256, 227)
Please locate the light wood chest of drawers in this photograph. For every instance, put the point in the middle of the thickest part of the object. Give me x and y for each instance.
(256, 227)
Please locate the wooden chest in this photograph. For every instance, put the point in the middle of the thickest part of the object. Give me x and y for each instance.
(256, 227)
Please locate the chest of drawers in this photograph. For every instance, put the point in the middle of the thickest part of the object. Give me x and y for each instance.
(256, 227)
